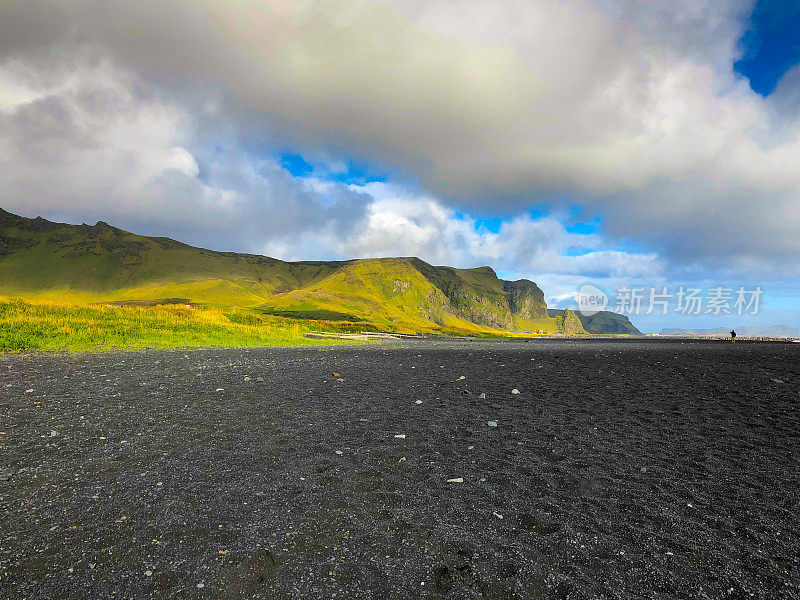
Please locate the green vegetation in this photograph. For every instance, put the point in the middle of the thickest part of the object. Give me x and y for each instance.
(100, 263)
(62, 265)
(390, 292)
(319, 315)
(42, 325)
(609, 323)
(601, 323)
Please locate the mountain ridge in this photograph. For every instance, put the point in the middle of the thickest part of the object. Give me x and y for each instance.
(603, 322)
(102, 263)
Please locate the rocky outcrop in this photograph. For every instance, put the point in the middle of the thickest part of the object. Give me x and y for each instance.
(601, 323)
(609, 323)
(525, 299)
(567, 320)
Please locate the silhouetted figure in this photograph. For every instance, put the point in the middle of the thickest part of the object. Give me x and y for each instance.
(733, 336)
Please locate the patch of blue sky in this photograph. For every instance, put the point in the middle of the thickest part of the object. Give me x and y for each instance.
(358, 174)
(771, 44)
(583, 228)
(576, 251)
(575, 210)
(493, 223)
(776, 300)
(296, 164)
(353, 173)
(486, 224)
(539, 211)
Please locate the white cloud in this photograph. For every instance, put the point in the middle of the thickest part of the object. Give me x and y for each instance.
(631, 107)
(83, 139)
(93, 143)
(399, 222)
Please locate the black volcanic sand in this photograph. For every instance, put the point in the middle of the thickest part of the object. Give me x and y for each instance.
(622, 469)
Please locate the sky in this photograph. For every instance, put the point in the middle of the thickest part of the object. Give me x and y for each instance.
(618, 143)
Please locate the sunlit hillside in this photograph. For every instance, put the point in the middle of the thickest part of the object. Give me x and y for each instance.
(68, 264)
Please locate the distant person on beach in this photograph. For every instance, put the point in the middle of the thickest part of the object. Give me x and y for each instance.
(733, 336)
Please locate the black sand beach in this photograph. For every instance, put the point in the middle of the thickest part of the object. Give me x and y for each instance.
(622, 469)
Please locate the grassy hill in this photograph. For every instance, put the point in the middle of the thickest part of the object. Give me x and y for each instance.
(43, 260)
(101, 262)
(43, 325)
(601, 323)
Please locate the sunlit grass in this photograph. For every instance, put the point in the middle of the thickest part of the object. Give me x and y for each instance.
(47, 325)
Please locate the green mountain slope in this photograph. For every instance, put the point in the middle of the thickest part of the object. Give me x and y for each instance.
(602, 323)
(101, 263)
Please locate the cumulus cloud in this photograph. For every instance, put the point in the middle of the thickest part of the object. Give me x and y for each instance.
(93, 143)
(631, 108)
(401, 222)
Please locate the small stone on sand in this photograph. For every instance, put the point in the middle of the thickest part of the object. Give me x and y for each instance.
(515, 391)
(492, 423)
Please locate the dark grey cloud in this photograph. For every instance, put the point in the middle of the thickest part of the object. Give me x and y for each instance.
(86, 146)
(630, 108)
